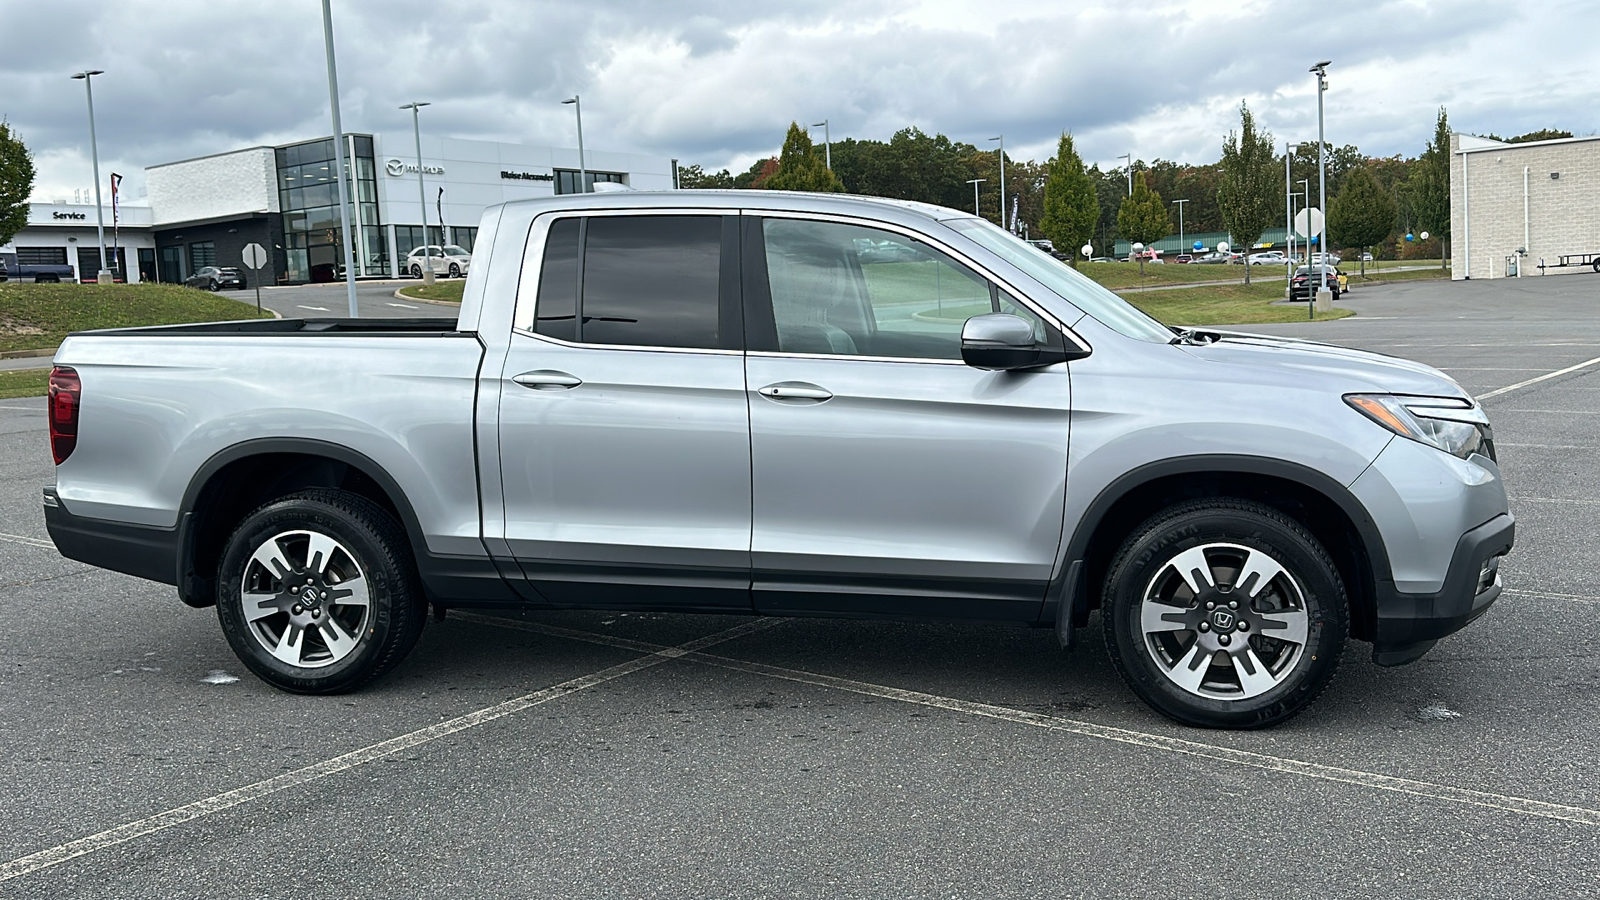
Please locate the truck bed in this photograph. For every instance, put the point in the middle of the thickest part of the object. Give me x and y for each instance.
(437, 326)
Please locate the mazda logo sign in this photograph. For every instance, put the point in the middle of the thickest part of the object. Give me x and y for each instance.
(398, 167)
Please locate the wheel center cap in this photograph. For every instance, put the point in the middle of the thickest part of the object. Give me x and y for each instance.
(1223, 620)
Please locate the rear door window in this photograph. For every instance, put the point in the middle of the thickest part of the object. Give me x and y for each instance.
(643, 281)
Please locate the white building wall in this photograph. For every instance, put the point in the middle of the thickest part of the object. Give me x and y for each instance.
(74, 225)
(210, 187)
(1487, 210)
(474, 174)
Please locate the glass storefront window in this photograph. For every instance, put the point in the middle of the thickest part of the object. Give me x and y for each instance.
(567, 180)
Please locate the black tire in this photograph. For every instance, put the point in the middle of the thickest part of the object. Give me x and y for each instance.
(369, 545)
(1309, 592)
(214, 286)
(1596, 267)
(455, 271)
(416, 271)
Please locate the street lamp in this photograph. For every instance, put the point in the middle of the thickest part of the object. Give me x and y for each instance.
(104, 276)
(975, 182)
(1182, 247)
(1002, 140)
(422, 195)
(1321, 71)
(1129, 158)
(338, 160)
(827, 144)
(583, 169)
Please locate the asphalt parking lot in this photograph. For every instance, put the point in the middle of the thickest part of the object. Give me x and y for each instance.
(602, 755)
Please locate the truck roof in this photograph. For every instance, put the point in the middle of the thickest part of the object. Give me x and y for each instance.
(800, 201)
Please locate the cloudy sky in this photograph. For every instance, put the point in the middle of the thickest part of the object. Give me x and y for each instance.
(716, 82)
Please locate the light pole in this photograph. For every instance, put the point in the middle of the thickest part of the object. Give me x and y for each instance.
(1129, 158)
(583, 169)
(104, 275)
(975, 182)
(1321, 71)
(339, 160)
(422, 195)
(827, 144)
(1002, 140)
(1288, 217)
(1182, 247)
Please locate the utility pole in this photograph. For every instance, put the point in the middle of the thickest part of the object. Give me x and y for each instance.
(975, 182)
(827, 145)
(422, 196)
(339, 162)
(1321, 71)
(103, 276)
(1002, 140)
(583, 168)
(1182, 247)
(1129, 158)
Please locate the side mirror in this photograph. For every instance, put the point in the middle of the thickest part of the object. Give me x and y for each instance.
(1000, 341)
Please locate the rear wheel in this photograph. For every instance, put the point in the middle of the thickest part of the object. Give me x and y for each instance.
(1225, 614)
(317, 593)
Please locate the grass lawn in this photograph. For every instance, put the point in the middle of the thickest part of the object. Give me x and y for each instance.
(1224, 304)
(1125, 275)
(445, 289)
(38, 316)
(24, 383)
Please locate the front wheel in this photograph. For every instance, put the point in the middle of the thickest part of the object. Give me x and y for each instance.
(455, 271)
(316, 592)
(1225, 613)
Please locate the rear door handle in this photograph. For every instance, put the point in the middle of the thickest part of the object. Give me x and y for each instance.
(795, 390)
(547, 380)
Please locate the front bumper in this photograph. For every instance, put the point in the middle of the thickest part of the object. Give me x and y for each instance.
(1408, 625)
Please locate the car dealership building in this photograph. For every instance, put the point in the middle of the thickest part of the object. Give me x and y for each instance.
(204, 211)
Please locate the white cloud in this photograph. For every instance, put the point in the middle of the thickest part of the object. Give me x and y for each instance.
(717, 81)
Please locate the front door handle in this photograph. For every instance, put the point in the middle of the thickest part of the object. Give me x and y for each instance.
(795, 390)
(547, 380)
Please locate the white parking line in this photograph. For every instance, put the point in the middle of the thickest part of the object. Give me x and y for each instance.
(1546, 377)
(23, 408)
(33, 862)
(405, 306)
(1552, 595)
(1433, 791)
(31, 542)
(317, 308)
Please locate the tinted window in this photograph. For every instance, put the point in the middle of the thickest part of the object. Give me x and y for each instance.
(556, 312)
(651, 280)
(845, 289)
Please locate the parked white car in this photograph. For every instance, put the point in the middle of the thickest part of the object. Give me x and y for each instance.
(447, 260)
(1268, 258)
(1330, 259)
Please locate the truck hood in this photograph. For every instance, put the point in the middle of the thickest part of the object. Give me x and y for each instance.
(1349, 369)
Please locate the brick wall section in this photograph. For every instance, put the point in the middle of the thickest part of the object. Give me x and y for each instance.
(214, 186)
(1563, 213)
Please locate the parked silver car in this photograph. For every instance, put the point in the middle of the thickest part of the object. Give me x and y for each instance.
(792, 405)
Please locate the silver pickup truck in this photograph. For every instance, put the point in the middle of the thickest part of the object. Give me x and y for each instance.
(789, 405)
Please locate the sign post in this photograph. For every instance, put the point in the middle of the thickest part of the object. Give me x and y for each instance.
(255, 256)
(1307, 222)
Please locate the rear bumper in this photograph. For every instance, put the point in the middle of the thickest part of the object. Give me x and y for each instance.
(1409, 624)
(137, 550)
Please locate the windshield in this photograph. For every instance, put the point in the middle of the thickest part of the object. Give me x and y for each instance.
(1075, 288)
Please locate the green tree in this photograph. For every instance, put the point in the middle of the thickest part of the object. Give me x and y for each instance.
(1247, 192)
(1363, 213)
(1143, 216)
(801, 168)
(1071, 209)
(16, 182)
(1429, 194)
(694, 177)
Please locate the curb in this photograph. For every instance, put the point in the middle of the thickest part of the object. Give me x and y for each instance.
(27, 354)
(399, 296)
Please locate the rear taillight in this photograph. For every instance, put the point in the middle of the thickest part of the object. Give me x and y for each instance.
(66, 392)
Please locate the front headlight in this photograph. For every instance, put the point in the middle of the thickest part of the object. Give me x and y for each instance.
(1458, 427)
